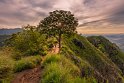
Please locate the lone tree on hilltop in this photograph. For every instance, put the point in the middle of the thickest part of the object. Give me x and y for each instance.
(58, 22)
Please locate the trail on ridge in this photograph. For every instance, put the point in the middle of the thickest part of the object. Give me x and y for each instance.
(28, 76)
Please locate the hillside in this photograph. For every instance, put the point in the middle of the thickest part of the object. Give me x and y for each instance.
(101, 67)
(111, 50)
(79, 61)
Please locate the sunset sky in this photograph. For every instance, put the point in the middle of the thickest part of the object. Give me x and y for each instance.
(95, 16)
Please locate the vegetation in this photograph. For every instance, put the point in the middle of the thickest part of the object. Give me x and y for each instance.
(2, 39)
(59, 22)
(27, 63)
(8, 65)
(100, 67)
(28, 42)
(111, 50)
(81, 60)
(59, 69)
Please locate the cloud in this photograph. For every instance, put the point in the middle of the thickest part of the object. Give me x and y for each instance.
(15, 13)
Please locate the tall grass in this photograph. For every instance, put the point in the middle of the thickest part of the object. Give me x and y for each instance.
(6, 66)
(27, 63)
(59, 69)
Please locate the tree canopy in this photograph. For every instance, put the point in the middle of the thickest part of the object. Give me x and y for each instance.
(57, 23)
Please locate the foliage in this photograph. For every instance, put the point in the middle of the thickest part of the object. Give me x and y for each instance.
(57, 23)
(28, 42)
(2, 39)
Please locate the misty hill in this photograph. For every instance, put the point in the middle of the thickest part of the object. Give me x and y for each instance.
(9, 31)
(118, 39)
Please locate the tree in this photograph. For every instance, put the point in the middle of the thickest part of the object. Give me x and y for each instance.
(58, 22)
(28, 42)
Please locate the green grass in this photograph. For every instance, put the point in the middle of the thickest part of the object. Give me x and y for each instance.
(60, 69)
(94, 61)
(9, 65)
(6, 66)
(55, 73)
(111, 50)
(51, 58)
(84, 80)
(27, 63)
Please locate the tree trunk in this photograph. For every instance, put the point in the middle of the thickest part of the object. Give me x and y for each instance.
(59, 40)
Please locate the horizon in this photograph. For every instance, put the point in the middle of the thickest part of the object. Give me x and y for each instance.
(90, 13)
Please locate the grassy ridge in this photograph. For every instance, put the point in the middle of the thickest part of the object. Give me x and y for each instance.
(103, 68)
(109, 49)
(59, 69)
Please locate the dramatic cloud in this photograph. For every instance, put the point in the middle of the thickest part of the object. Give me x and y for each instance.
(15, 13)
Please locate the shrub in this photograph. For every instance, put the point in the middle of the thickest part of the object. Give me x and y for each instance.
(28, 42)
(27, 63)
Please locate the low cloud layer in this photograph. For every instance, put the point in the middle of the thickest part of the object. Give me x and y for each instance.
(15, 13)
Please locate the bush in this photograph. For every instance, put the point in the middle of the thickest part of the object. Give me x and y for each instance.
(28, 42)
(27, 63)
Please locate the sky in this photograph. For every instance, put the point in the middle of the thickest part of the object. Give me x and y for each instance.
(95, 16)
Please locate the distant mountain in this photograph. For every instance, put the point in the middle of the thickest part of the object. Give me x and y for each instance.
(115, 38)
(118, 39)
(9, 31)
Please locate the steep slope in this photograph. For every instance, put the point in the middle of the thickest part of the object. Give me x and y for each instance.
(111, 50)
(98, 65)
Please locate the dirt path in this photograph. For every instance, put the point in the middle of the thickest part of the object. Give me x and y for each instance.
(55, 49)
(32, 75)
(28, 76)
